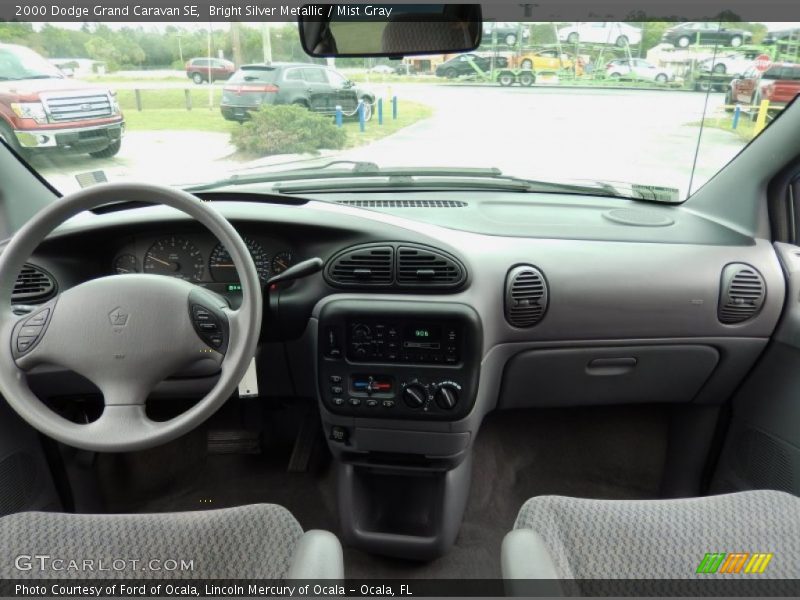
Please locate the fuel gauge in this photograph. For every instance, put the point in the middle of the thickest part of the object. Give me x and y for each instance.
(126, 263)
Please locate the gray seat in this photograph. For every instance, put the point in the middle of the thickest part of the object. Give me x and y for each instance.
(555, 537)
(261, 541)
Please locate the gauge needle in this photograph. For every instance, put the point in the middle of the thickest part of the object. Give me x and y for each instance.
(163, 262)
(173, 266)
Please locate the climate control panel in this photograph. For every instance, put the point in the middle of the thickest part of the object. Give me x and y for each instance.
(398, 360)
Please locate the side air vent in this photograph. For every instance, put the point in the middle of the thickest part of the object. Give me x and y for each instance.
(742, 293)
(363, 266)
(526, 296)
(419, 266)
(33, 285)
(404, 203)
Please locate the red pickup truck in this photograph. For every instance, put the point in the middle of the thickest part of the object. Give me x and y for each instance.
(41, 109)
(779, 84)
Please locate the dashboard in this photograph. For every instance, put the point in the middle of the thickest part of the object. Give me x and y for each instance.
(429, 315)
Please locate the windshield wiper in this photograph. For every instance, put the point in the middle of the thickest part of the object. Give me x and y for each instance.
(363, 175)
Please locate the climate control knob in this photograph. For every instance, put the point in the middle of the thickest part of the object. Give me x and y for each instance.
(446, 396)
(414, 395)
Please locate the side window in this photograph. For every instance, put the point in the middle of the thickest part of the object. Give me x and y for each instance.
(293, 75)
(315, 75)
(201, 62)
(335, 79)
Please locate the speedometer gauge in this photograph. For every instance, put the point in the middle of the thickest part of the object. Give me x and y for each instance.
(174, 256)
(223, 270)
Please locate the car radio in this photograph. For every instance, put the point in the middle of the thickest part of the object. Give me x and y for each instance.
(392, 359)
(421, 341)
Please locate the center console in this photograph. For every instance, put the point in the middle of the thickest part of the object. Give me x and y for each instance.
(398, 362)
(392, 378)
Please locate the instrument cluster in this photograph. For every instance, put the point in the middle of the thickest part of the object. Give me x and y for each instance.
(198, 258)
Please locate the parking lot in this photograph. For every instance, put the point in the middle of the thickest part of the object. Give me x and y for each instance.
(551, 133)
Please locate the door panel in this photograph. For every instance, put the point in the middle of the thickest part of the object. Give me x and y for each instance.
(762, 445)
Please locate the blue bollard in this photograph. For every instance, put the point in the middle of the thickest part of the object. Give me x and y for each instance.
(380, 111)
(361, 121)
(339, 116)
(736, 112)
(394, 107)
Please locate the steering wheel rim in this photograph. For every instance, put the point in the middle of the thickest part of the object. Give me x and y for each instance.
(124, 426)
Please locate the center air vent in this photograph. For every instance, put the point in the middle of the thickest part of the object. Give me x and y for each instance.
(526, 296)
(392, 265)
(363, 266)
(404, 203)
(420, 266)
(33, 285)
(742, 293)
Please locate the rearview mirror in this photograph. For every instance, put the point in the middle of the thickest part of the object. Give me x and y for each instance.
(392, 30)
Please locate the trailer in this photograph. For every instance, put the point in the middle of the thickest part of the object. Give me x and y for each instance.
(716, 82)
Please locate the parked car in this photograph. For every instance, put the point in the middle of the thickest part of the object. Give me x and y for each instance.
(734, 64)
(507, 33)
(382, 70)
(315, 87)
(546, 60)
(42, 109)
(611, 32)
(702, 32)
(637, 68)
(779, 84)
(462, 65)
(202, 70)
(405, 69)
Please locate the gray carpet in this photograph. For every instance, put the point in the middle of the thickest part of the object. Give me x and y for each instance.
(607, 452)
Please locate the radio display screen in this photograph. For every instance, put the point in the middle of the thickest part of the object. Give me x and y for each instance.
(423, 333)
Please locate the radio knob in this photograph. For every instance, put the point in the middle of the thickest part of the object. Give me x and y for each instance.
(446, 396)
(414, 395)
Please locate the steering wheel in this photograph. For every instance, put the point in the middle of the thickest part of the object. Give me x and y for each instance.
(126, 333)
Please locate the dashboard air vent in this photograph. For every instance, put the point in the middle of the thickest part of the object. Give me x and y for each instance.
(365, 265)
(33, 285)
(741, 294)
(420, 266)
(525, 296)
(404, 203)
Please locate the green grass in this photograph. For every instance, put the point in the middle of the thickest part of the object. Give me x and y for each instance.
(165, 110)
(745, 129)
(175, 119)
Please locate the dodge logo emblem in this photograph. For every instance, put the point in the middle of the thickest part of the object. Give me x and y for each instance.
(118, 318)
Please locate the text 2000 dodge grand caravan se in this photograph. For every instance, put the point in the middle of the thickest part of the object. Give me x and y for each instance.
(41, 109)
(524, 332)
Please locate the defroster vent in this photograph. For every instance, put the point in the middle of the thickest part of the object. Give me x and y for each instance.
(525, 296)
(742, 293)
(33, 285)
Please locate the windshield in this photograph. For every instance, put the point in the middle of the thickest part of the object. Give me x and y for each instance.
(18, 62)
(649, 110)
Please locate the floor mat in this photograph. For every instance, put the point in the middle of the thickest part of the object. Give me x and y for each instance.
(604, 452)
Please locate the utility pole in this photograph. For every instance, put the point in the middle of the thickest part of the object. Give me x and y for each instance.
(236, 43)
(210, 81)
(266, 43)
